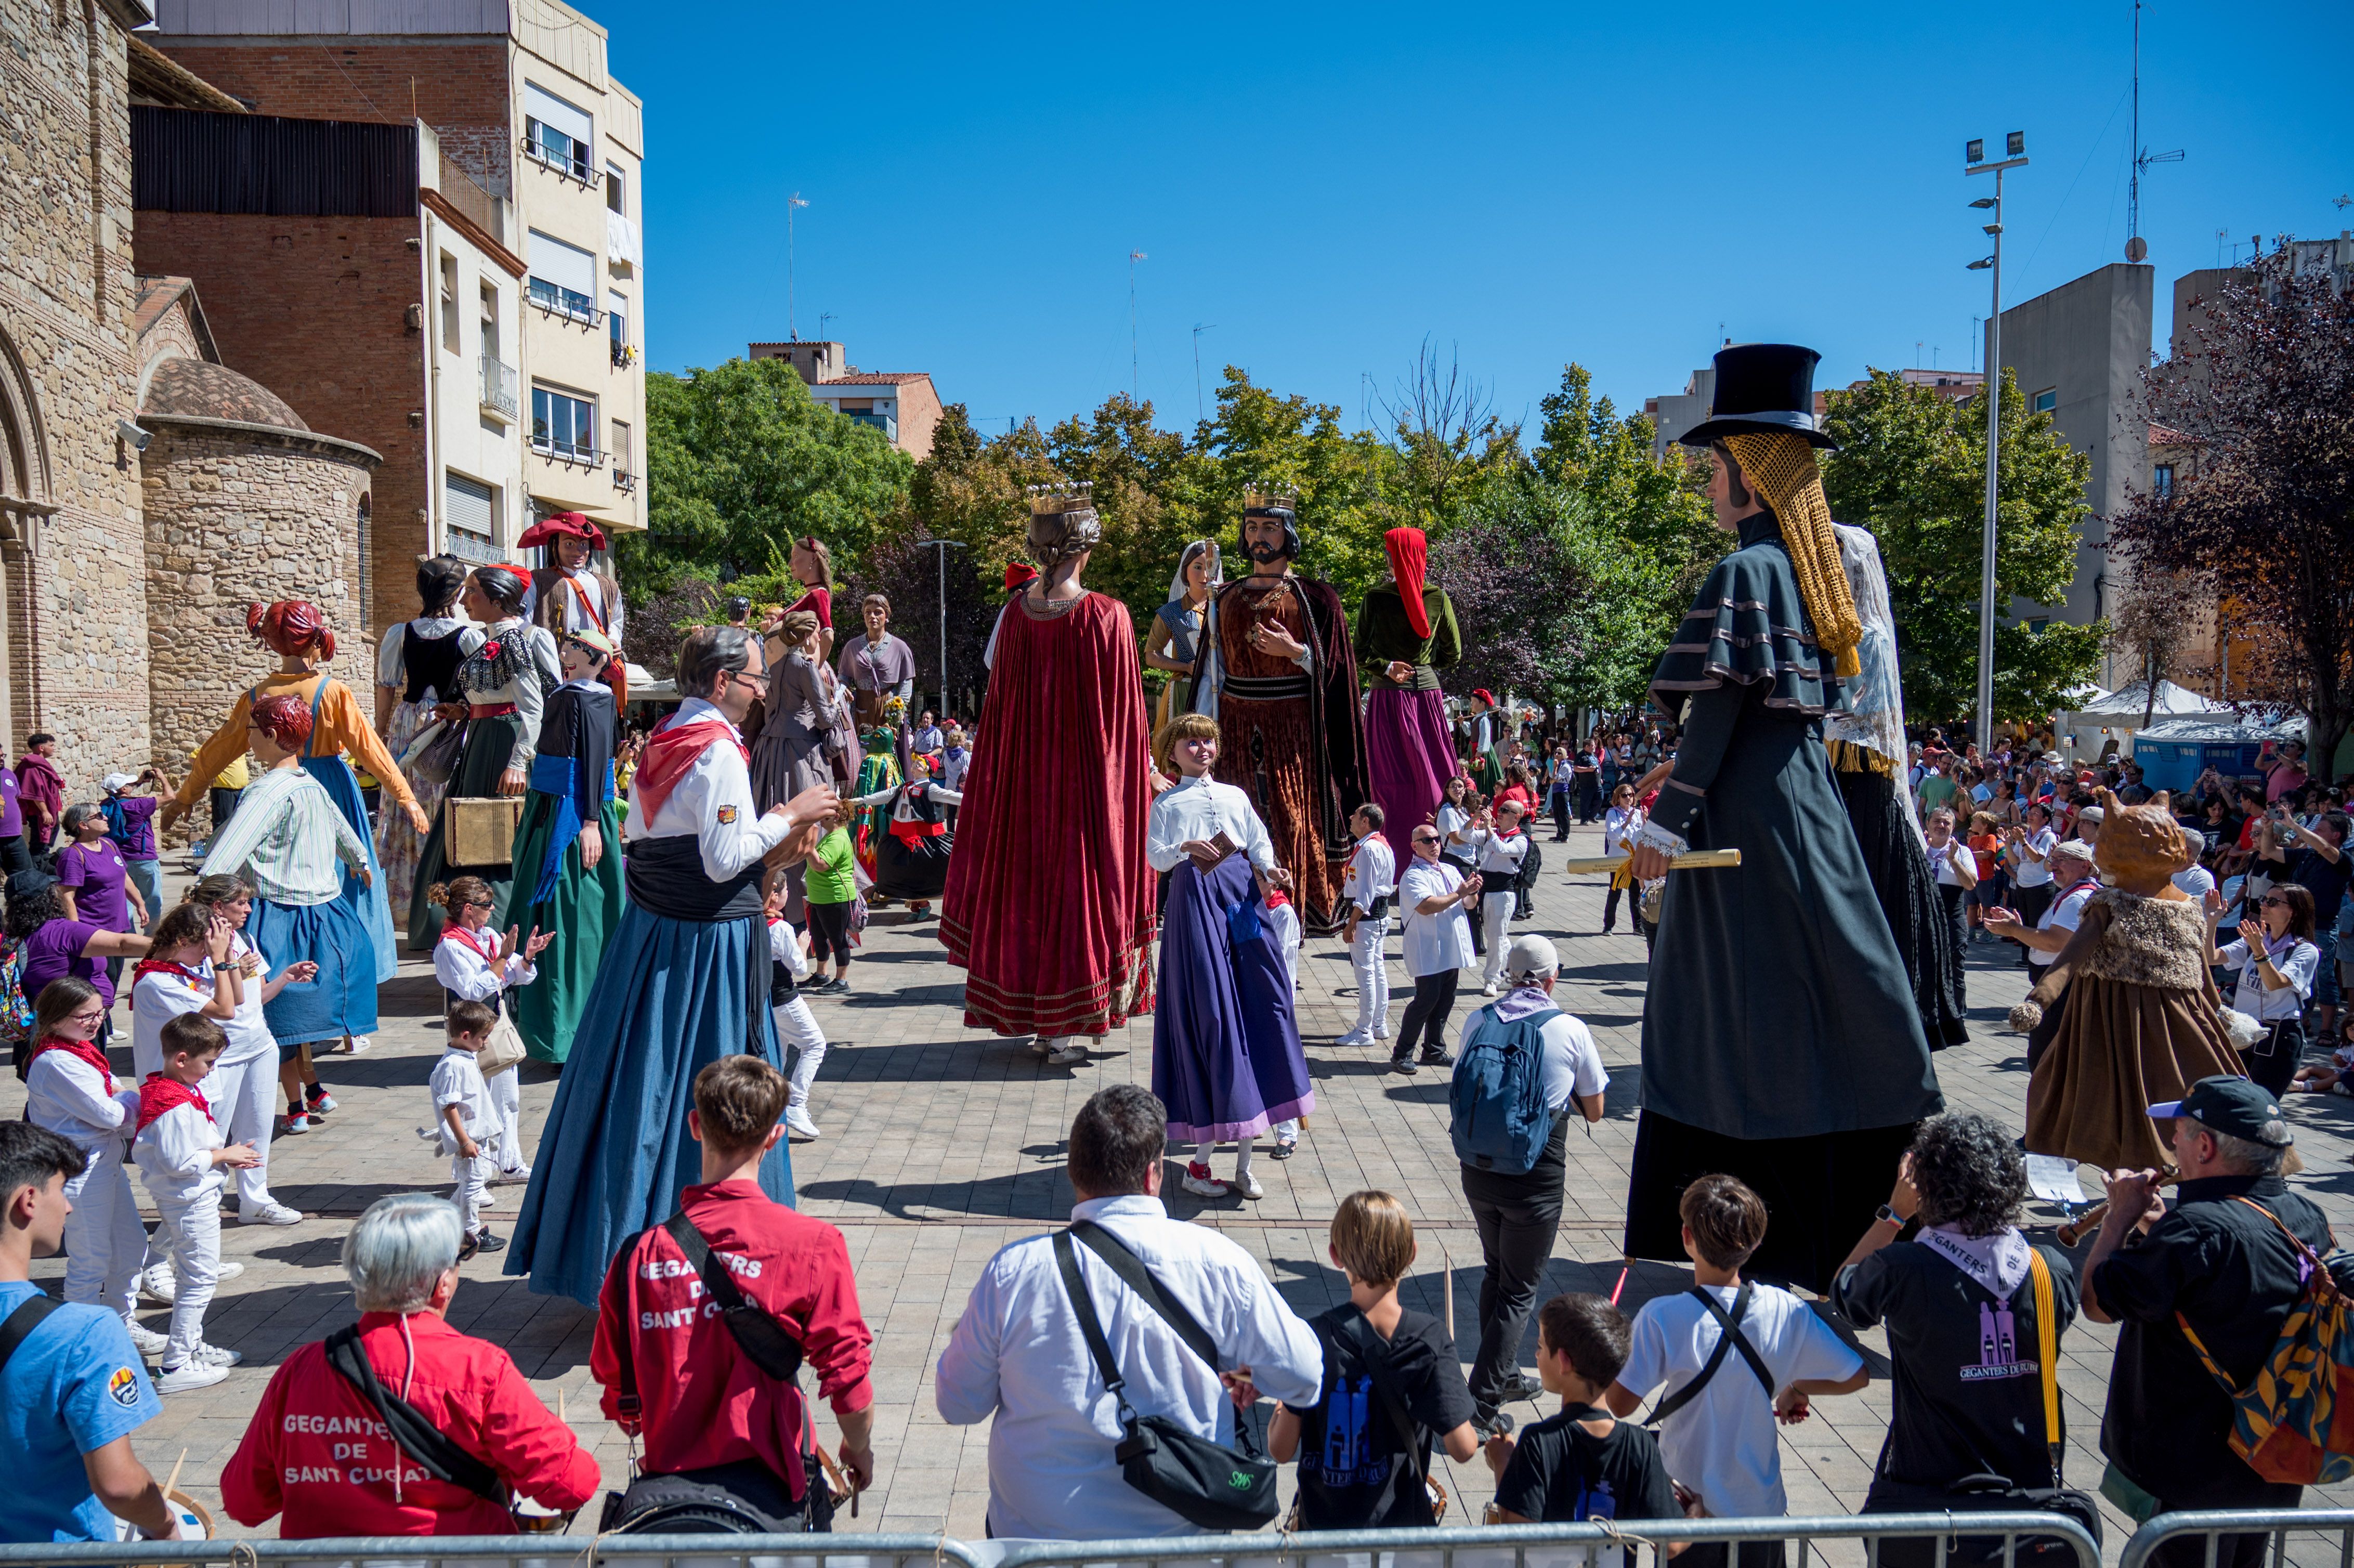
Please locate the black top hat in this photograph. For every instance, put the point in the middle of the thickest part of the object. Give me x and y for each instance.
(1765, 389)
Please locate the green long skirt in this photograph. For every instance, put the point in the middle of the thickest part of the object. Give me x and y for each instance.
(489, 742)
(583, 910)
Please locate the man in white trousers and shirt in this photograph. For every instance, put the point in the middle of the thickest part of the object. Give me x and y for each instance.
(1366, 889)
(1498, 852)
(1017, 1353)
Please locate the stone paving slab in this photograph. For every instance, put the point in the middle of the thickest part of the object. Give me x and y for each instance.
(942, 1144)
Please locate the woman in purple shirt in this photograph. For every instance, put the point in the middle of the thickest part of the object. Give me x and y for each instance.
(54, 945)
(13, 856)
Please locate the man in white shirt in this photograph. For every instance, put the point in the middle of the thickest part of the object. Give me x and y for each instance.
(1366, 889)
(1017, 1353)
(2074, 887)
(1432, 897)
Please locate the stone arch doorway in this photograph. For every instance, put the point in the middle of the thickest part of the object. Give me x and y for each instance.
(27, 501)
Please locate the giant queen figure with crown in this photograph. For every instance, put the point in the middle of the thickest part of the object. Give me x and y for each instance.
(1049, 907)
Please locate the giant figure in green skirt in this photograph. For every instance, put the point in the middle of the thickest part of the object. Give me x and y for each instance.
(568, 860)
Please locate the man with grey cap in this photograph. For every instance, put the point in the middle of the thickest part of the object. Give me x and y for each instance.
(2072, 884)
(2220, 1265)
(1514, 1168)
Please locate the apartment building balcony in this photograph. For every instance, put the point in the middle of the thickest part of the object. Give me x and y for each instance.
(498, 398)
(554, 300)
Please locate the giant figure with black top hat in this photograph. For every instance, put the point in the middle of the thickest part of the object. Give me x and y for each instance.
(1781, 1043)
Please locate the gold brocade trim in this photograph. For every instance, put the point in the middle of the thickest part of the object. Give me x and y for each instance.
(1847, 756)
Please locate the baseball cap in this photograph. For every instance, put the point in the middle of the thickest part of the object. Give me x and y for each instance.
(2236, 1108)
(2091, 814)
(114, 781)
(1530, 956)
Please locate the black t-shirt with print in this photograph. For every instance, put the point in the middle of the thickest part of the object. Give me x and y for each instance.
(1355, 1470)
(1560, 1473)
(1968, 1382)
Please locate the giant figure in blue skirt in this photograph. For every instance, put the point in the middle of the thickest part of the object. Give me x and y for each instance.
(683, 982)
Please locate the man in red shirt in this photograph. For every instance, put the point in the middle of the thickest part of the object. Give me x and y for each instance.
(317, 1449)
(673, 1372)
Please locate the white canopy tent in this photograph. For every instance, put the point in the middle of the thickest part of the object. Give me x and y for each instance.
(2100, 717)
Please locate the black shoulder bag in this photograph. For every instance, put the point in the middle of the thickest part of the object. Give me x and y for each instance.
(1375, 1357)
(21, 1323)
(1730, 1340)
(1192, 1477)
(412, 1434)
(682, 1505)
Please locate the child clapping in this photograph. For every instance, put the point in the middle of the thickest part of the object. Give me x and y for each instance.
(180, 1154)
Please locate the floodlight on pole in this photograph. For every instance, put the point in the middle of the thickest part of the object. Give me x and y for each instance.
(943, 546)
(1199, 328)
(2015, 150)
(1135, 380)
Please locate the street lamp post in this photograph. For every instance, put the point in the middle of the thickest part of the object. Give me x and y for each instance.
(943, 546)
(1974, 163)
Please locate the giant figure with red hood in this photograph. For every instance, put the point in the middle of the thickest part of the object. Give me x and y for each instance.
(1405, 635)
(573, 594)
(1277, 669)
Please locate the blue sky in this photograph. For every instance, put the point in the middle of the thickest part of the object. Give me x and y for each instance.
(1328, 186)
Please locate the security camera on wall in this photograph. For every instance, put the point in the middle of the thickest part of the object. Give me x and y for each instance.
(132, 436)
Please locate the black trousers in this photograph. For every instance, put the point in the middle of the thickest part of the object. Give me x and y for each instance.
(13, 856)
(2273, 1060)
(1425, 1015)
(1515, 1240)
(1561, 816)
(1589, 799)
(828, 926)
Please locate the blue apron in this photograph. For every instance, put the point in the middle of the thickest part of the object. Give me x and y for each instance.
(344, 789)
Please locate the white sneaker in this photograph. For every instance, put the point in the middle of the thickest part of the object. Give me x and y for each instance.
(798, 1123)
(1247, 1186)
(1201, 1183)
(227, 1268)
(213, 1355)
(518, 1177)
(1041, 1046)
(189, 1376)
(147, 1341)
(272, 1212)
(1354, 1037)
(358, 1045)
(1068, 1056)
(160, 1285)
(1491, 989)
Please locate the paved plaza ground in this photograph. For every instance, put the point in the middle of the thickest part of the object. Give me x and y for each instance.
(941, 1145)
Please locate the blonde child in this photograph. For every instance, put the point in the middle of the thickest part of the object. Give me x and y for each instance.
(474, 963)
(467, 1121)
(1392, 1385)
(184, 1161)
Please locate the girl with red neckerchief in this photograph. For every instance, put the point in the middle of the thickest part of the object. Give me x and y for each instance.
(70, 1089)
(477, 964)
(187, 970)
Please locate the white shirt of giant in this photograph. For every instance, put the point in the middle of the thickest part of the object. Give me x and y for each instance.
(699, 807)
(1203, 809)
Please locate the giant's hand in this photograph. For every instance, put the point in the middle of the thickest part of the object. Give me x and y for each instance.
(1653, 848)
(812, 804)
(419, 821)
(173, 812)
(510, 782)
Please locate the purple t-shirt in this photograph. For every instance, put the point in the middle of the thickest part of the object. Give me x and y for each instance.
(12, 810)
(54, 952)
(137, 814)
(95, 873)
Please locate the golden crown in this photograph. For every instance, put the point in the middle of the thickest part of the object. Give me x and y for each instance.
(1046, 500)
(1265, 498)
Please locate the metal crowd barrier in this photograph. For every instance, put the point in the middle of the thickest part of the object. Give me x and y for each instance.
(1587, 1545)
(2212, 1524)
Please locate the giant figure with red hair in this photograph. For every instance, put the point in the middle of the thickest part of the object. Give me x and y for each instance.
(298, 634)
(285, 841)
(1405, 635)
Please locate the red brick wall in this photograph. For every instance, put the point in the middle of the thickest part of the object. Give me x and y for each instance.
(461, 89)
(314, 309)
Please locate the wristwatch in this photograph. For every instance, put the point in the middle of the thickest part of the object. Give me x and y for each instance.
(1888, 1216)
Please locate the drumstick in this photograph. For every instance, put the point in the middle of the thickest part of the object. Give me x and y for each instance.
(1691, 859)
(170, 1485)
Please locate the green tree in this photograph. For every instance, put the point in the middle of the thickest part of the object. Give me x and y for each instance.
(740, 461)
(1911, 467)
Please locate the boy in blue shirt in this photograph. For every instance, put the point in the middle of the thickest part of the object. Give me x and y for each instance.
(71, 1388)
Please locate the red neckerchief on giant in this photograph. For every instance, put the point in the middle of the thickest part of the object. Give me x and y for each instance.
(82, 1050)
(160, 1093)
(671, 750)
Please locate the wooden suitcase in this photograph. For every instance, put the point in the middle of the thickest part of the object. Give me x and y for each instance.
(480, 831)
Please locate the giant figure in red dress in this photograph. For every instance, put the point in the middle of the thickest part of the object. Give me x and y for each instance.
(1049, 901)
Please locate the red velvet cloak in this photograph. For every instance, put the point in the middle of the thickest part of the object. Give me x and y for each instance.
(1049, 901)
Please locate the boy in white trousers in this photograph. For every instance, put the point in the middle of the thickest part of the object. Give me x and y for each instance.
(468, 1121)
(1498, 852)
(797, 1027)
(1366, 889)
(181, 1157)
(1275, 907)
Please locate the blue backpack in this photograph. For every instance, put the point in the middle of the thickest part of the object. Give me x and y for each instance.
(1498, 1097)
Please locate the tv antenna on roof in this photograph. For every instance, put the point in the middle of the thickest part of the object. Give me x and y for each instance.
(2137, 248)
